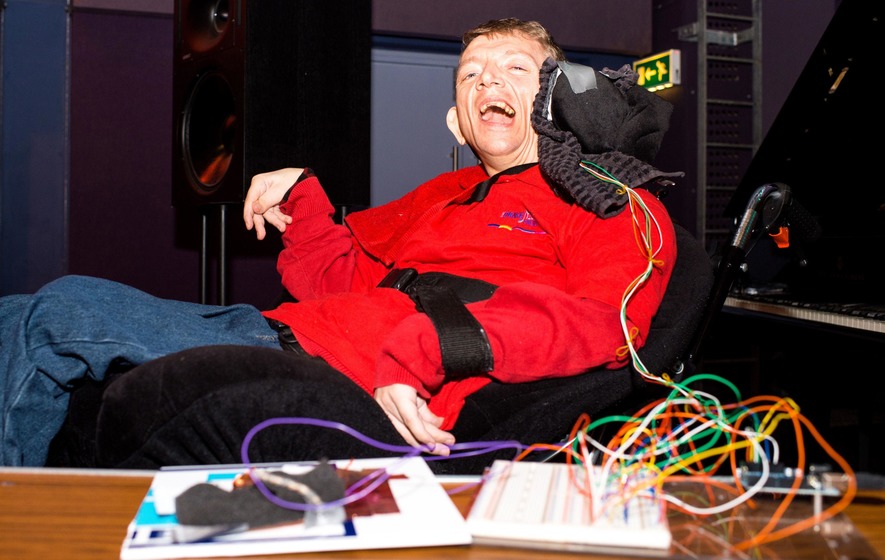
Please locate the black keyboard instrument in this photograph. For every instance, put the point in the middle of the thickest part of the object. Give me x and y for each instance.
(826, 145)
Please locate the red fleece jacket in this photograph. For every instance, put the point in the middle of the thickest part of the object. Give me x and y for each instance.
(563, 275)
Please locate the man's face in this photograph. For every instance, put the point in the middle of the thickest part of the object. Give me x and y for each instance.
(496, 84)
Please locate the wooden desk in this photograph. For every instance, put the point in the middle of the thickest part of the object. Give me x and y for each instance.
(50, 513)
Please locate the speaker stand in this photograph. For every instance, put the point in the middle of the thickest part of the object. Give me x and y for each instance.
(221, 292)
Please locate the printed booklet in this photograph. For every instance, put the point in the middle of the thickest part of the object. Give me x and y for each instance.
(293, 507)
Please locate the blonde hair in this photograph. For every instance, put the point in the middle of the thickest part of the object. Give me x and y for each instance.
(510, 26)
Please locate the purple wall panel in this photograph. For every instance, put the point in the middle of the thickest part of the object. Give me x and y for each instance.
(122, 224)
(622, 27)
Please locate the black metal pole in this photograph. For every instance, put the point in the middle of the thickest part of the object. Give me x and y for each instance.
(204, 250)
(222, 254)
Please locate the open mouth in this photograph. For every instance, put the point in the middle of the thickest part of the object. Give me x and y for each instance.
(493, 108)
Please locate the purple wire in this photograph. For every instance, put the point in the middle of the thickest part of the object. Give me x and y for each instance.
(244, 451)
(466, 450)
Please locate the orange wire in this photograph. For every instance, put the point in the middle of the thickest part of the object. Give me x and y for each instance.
(663, 424)
(841, 504)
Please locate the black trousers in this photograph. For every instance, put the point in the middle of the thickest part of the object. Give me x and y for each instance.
(198, 405)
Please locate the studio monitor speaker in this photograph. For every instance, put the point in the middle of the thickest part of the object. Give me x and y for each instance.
(264, 84)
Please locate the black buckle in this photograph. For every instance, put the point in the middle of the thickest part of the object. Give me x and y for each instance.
(287, 338)
(399, 279)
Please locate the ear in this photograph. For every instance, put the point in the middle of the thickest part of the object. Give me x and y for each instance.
(454, 127)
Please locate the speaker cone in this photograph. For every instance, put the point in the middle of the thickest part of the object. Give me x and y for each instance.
(209, 130)
(206, 23)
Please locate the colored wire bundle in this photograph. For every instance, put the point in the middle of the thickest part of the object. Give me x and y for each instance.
(690, 436)
(644, 226)
(685, 439)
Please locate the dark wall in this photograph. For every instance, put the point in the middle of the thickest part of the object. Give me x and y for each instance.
(86, 183)
(121, 221)
(790, 31)
(122, 224)
(33, 137)
(588, 25)
(109, 213)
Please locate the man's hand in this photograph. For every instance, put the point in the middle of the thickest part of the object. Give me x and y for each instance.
(412, 419)
(263, 199)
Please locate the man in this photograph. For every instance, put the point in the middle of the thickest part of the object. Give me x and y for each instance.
(561, 289)
(521, 237)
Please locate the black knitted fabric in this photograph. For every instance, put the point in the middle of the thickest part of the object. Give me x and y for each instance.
(614, 125)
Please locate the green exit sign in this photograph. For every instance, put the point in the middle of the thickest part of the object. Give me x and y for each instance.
(659, 71)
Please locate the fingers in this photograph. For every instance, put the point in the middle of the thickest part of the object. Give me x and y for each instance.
(251, 217)
(273, 216)
(413, 420)
(444, 442)
(431, 442)
(262, 202)
(256, 189)
(259, 226)
(429, 417)
(278, 219)
(431, 423)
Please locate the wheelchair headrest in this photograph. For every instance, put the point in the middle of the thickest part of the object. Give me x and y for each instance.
(601, 117)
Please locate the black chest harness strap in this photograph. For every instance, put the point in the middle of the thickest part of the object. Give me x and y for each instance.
(463, 343)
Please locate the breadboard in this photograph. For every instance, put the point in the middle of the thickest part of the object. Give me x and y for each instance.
(538, 505)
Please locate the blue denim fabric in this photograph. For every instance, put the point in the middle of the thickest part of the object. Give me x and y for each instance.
(76, 327)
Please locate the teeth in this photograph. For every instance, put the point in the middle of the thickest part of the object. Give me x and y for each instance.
(508, 110)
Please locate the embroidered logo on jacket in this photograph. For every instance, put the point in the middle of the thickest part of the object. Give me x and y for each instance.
(519, 221)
